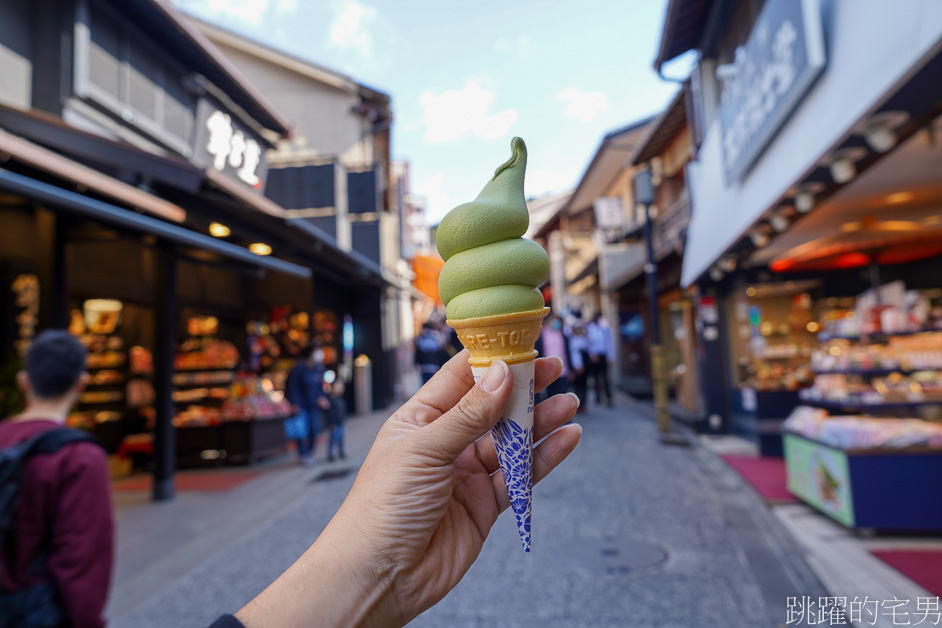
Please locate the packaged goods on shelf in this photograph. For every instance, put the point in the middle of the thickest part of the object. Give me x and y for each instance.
(86, 420)
(923, 386)
(200, 394)
(197, 416)
(783, 350)
(203, 378)
(140, 393)
(916, 352)
(106, 360)
(254, 398)
(217, 354)
(862, 433)
(104, 377)
(101, 396)
(142, 361)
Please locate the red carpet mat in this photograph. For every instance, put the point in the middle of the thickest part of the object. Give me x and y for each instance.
(190, 482)
(922, 567)
(766, 475)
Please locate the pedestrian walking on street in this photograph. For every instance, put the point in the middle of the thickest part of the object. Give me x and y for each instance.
(553, 343)
(601, 350)
(420, 510)
(304, 389)
(578, 357)
(336, 416)
(429, 351)
(56, 521)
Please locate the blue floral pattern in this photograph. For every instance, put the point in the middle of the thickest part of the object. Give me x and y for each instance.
(514, 444)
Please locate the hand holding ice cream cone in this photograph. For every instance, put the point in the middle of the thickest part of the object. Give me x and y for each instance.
(489, 286)
(422, 506)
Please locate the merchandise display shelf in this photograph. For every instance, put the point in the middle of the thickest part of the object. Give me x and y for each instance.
(877, 372)
(851, 406)
(230, 442)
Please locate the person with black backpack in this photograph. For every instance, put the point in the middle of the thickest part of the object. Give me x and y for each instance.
(56, 520)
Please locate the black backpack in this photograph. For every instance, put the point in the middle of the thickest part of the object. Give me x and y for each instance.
(37, 606)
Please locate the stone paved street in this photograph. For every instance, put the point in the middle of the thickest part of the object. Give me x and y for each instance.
(726, 563)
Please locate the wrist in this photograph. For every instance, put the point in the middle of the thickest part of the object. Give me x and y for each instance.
(336, 583)
(367, 599)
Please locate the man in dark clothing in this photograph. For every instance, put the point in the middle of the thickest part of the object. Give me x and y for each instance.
(304, 388)
(429, 352)
(335, 419)
(601, 350)
(578, 357)
(64, 509)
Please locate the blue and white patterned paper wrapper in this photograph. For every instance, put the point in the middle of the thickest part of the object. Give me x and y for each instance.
(513, 439)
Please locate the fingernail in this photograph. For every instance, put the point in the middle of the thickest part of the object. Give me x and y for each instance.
(495, 376)
(576, 397)
(558, 359)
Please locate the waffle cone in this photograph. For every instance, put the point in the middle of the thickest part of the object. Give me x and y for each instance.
(507, 337)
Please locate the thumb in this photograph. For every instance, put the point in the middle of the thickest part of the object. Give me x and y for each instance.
(477, 412)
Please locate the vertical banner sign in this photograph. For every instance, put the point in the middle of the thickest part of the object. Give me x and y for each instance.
(224, 144)
(25, 290)
(773, 70)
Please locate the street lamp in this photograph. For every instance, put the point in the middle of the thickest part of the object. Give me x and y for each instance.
(644, 194)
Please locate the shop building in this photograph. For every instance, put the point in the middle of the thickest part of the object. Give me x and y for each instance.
(574, 226)
(335, 174)
(665, 151)
(133, 213)
(814, 242)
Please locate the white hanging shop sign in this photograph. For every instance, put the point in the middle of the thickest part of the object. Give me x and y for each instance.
(780, 61)
(224, 144)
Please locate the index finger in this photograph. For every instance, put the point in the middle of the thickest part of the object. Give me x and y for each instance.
(454, 380)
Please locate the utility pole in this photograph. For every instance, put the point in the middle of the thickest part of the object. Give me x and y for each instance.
(644, 194)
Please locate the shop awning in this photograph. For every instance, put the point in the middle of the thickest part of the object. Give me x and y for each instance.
(831, 117)
(664, 128)
(64, 168)
(35, 131)
(73, 202)
(355, 259)
(685, 23)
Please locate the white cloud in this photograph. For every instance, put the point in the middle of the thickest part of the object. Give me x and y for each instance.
(543, 180)
(350, 27)
(249, 11)
(582, 105)
(453, 113)
(438, 201)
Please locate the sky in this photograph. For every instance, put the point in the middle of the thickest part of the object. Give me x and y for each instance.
(465, 77)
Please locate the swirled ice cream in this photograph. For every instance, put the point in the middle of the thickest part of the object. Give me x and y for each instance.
(489, 267)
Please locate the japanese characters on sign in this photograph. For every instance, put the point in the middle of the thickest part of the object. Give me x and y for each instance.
(779, 62)
(223, 145)
(862, 611)
(227, 145)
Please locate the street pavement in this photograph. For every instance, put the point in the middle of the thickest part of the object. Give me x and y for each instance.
(627, 532)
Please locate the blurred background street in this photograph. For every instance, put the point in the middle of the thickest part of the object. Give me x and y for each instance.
(625, 533)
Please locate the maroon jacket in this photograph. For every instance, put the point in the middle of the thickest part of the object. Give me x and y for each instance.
(64, 505)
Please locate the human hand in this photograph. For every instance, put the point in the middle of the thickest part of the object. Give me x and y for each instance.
(422, 505)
